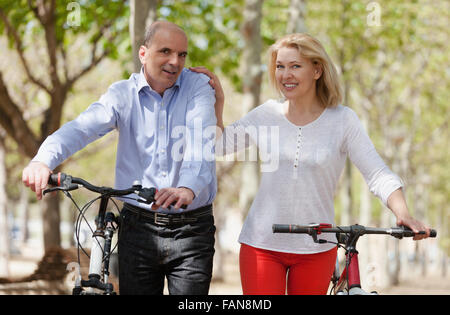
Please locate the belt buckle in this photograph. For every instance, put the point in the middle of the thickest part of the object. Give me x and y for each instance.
(161, 221)
(156, 219)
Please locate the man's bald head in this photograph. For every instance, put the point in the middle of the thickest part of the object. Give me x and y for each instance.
(158, 25)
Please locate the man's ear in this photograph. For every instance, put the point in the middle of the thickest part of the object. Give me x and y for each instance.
(142, 53)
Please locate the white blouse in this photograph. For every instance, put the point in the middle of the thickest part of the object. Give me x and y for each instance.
(301, 166)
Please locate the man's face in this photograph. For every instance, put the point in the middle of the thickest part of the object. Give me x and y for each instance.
(164, 59)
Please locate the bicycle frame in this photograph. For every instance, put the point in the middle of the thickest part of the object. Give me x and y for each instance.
(349, 282)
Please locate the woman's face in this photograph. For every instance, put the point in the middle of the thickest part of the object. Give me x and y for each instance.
(296, 76)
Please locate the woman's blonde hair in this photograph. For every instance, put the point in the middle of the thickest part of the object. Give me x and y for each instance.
(328, 88)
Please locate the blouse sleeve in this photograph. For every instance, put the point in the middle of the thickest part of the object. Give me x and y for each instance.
(381, 180)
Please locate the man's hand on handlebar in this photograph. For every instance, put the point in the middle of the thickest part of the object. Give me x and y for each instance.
(173, 196)
(35, 176)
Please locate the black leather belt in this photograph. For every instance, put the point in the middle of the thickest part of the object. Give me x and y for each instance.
(167, 219)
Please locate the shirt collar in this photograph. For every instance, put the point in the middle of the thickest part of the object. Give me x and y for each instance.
(142, 81)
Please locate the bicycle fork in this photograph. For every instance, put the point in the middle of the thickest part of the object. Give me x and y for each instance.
(100, 254)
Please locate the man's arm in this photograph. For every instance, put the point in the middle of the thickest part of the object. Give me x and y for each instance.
(93, 123)
(198, 166)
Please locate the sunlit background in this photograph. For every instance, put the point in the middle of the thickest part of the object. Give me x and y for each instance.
(57, 57)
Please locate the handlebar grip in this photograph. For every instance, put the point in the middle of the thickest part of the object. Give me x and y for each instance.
(56, 179)
(290, 228)
(407, 232)
(281, 228)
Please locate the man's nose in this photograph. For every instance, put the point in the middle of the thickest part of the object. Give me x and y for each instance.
(174, 60)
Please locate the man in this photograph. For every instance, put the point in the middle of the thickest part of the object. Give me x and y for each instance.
(164, 115)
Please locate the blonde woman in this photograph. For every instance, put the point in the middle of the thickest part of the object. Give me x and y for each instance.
(315, 135)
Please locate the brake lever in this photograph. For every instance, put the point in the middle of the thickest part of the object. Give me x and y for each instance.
(147, 195)
(61, 188)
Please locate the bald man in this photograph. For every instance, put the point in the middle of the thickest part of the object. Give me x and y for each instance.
(166, 123)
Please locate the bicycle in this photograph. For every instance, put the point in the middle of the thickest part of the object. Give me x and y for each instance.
(106, 225)
(348, 282)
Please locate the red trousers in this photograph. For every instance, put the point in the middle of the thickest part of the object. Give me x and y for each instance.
(269, 272)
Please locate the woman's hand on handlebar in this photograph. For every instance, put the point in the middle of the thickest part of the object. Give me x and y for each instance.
(415, 225)
(35, 176)
(397, 203)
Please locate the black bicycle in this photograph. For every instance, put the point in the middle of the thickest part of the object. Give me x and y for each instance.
(106, 225)
(347, 236)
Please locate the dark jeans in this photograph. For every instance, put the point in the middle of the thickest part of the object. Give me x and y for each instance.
(148, 253)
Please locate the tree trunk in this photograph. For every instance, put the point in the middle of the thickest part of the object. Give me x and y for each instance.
(142, 14)
(51, 221)
(252, 77)
(22, 210)
(4, 228)
(297, 12)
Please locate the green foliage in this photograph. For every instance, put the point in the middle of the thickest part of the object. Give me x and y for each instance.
(213, 31)
(71, 19)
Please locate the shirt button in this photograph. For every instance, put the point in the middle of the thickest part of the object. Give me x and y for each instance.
(162, 127)
(164, 174)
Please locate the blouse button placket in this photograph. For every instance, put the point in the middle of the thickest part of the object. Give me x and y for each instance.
(297, 151)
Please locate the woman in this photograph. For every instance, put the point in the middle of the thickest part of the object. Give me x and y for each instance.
(315, 136)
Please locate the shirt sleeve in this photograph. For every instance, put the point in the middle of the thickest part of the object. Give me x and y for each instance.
(198, 166)
(96, 121)
(381, 180)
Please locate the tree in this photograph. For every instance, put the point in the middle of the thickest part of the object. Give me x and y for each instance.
(57, 26)
(297, 12)
(251, 84)
(142, 14)
(4, 235)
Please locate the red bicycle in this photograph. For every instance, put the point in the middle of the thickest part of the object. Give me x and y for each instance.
(348, 282)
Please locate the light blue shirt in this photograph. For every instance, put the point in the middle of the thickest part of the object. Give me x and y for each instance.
(164, 141)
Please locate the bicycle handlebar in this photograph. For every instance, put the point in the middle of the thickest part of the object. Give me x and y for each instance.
(65, 182)
(314, 229)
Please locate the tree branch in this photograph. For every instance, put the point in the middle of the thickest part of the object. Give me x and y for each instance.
(11, 119)
(11, 31)
(95, 60)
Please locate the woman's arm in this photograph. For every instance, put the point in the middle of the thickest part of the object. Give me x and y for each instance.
(380, 179)
(220, 96)
(397, 203)
(225, 137)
